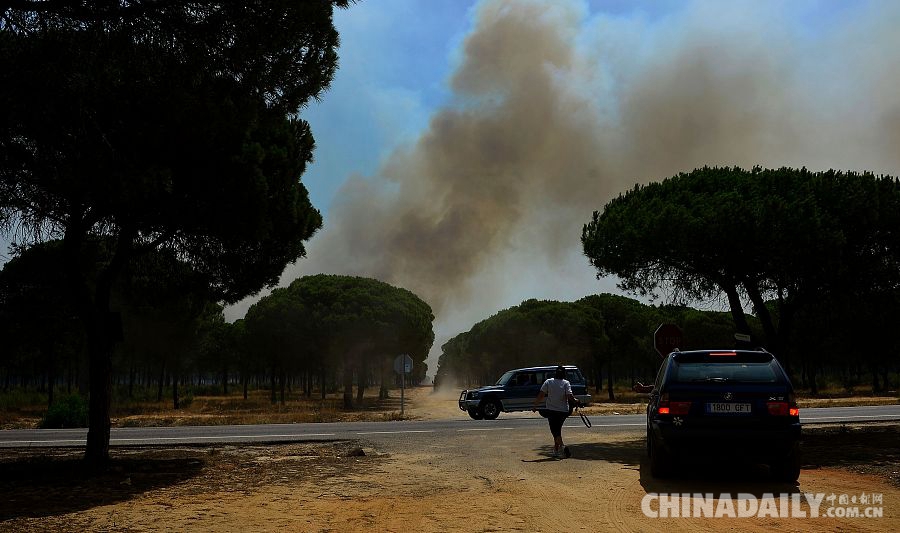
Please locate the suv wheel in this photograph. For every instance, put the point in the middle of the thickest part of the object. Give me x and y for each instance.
(490, 409)
(660, 462)
(787, 469)
(476, 414)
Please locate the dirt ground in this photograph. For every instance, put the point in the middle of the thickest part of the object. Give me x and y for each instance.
(483, 484)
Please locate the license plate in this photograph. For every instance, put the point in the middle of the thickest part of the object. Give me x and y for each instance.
(728, 408)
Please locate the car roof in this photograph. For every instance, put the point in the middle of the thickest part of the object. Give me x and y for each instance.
(723, 356)
(542, 368)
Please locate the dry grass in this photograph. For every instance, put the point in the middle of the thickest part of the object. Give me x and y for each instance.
(256, 409)
(422, 403)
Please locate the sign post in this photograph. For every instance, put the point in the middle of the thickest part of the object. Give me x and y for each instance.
(667, 338)
(403, 365)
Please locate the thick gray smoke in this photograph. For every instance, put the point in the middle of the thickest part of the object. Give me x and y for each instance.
(556, 110)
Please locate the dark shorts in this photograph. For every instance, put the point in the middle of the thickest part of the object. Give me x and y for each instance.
(556, 419)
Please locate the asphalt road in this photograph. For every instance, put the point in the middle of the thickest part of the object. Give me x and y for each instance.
(509, 425)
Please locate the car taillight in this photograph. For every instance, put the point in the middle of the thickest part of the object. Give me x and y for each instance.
(674, 408)
(783, 409)
(778, 408)
(793, 409)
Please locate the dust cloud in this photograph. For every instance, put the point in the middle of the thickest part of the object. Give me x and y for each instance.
(555, 110)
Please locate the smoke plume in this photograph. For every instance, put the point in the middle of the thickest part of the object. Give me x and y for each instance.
(556, 110)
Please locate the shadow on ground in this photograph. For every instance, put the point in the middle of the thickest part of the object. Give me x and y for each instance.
(864, 448)
(59, 481)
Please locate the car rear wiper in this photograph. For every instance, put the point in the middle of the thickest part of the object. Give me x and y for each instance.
(712, 379)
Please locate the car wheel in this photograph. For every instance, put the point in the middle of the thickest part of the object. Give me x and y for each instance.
(648, 442)
(660, 462)
(490, 409)
(787, 469)
(476, 414)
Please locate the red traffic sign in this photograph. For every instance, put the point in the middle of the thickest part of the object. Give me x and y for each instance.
(667, 338)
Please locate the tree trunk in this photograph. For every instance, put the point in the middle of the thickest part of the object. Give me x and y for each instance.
(162, 382)
(382, 386)
(348, 387)
(100, 349)
(225, 380)
(102, 329)
(361, 382)
(51, 374)
(246, 381)
(272, 397)
(175, 401)
(737, 308)
(609, 380)
(283, 379)
(811, 377)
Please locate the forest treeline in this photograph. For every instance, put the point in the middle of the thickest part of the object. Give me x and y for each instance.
(320, 334)
(610, 337)
(805, 263)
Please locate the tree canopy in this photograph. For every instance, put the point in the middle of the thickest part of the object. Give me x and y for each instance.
(535, 332)
(354, 324)
(601, 333)
(160, 125)
(774, 239)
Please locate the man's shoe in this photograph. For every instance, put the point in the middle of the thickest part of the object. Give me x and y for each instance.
(567, 452)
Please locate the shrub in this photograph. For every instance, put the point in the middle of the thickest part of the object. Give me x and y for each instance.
(186, 400)
(67, 412)
(16, 399)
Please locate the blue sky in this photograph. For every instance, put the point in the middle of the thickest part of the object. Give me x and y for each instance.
(394, 60)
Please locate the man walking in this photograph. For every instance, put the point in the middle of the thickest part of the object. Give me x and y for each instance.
(558, 393)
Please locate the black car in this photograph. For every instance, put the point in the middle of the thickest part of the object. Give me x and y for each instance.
(516, 391)
(732, 405)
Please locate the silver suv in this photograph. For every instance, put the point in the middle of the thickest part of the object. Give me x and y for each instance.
(516, 391)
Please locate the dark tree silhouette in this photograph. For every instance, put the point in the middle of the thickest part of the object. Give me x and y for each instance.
(160, 125)
(775, 239)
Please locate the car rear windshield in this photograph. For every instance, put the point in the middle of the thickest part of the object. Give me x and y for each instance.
(721, 372)
(574, 376)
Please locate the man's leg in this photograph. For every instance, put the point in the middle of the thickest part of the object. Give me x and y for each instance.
(556, 422)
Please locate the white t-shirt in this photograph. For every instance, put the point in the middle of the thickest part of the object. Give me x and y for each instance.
(557, 392)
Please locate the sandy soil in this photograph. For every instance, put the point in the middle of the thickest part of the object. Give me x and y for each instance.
(483, 484)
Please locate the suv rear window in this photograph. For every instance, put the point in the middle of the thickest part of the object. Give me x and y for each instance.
(691, 372)
(513, 378)
(574, 377)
